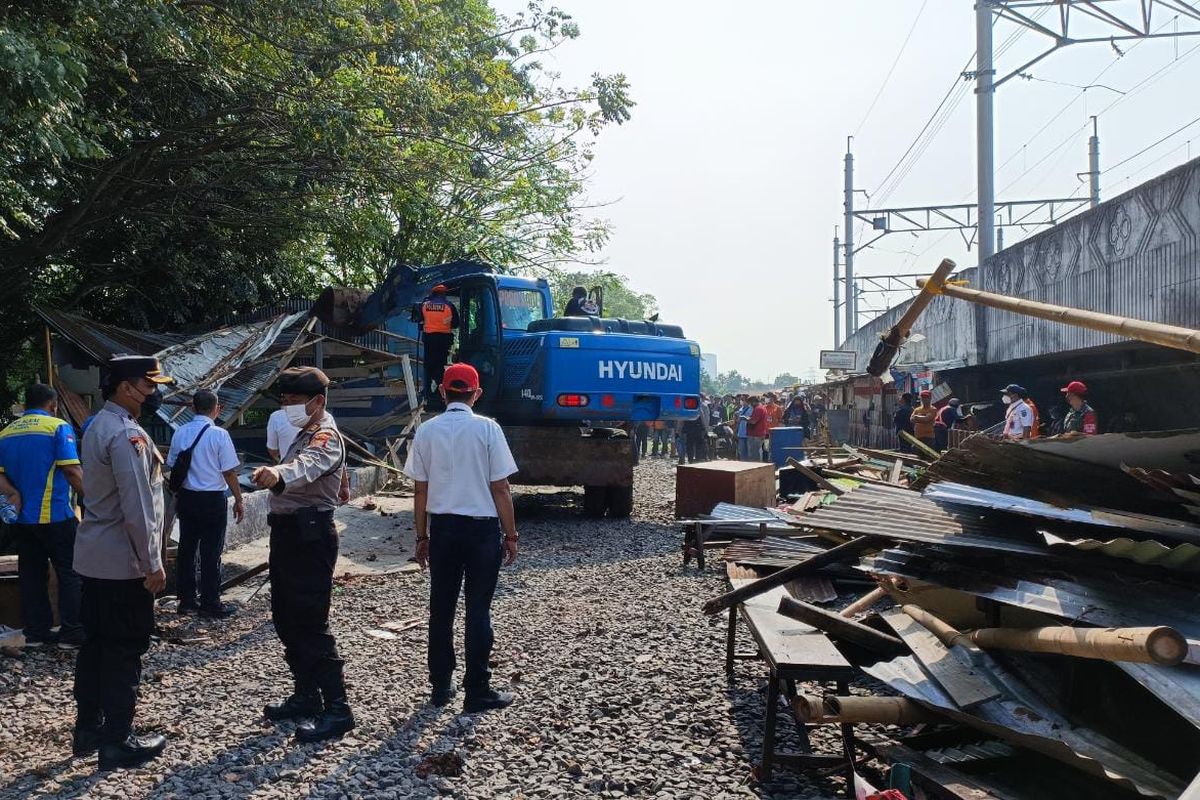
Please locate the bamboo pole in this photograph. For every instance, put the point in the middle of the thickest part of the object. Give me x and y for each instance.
(834, 555)
(813, 710)
(863, 603)
(1159, 645)
(917, 443)
(1172, 336)
(951, 637)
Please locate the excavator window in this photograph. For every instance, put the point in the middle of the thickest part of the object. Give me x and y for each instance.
(519, 307)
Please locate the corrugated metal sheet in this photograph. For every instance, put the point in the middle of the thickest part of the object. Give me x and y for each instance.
(237, 362)
(874, 510)
(1020, 717)
(1182, 556)
(958, 494)
(101, 342)
(1104, 599)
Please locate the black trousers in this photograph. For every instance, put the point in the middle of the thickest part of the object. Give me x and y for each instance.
(697, 444)
(301, 565)
(203, 517)
(437, 351)
(941, 438)
(38, 546)
(118, 618)
(464, 555)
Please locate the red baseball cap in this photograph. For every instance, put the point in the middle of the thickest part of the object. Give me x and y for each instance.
(926, 393)
(1075, 387)
(461, 378)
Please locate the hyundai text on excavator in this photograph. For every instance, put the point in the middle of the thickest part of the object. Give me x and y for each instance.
(557, 385)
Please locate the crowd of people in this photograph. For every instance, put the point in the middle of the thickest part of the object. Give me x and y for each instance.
(931, 424)
(93, 506)
(734, 426)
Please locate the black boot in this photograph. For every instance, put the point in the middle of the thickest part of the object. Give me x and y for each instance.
(486, 700)
(304, 702)
(133, 751)
(86, 738)
(333, 722)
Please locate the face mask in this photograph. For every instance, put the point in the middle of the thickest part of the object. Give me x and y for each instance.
(296, 414)
(152, 402)
(1007, 399)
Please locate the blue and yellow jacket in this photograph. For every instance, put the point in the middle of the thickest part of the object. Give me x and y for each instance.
(32, 450)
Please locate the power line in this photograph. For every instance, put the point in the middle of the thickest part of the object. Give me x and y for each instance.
(1149, 147)
(892, 69)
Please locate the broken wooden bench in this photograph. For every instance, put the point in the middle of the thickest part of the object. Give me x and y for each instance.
(793, 652)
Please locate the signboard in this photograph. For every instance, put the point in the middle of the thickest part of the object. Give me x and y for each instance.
(839, 359)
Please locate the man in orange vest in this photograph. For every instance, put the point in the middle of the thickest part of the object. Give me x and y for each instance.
(439, 319)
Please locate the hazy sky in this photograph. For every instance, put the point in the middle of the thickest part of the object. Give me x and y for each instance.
(728, 180)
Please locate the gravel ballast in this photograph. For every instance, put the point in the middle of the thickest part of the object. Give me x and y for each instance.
(619, 682)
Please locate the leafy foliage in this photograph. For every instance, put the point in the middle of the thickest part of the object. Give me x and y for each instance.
(165, 162)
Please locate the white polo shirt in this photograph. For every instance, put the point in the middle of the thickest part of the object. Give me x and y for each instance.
(280, 432)
(212, 458)
(459, 453)
(1017, 420)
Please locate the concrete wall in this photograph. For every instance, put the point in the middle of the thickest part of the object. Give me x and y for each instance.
(1136, 255)
(363, 481)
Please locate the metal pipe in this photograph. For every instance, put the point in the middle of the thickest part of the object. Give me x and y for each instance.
(851, 304)
(984, 132)
(1094, 164)
(837, 277)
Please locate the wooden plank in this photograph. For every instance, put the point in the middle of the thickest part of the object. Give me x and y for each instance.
(964, 684)
(819, 480)
(834, 555)
(943, 781)
(894, 475)
(840, 627)
(786, 642)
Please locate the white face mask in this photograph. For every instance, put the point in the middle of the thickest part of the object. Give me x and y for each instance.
(1007, 399)
(296, 414)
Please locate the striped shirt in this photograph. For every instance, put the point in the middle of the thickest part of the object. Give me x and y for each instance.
(32, 452)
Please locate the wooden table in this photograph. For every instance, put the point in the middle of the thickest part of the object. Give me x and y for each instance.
(792, 652)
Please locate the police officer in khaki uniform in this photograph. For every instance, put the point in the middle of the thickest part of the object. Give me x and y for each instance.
(305, 489)
(118, 553)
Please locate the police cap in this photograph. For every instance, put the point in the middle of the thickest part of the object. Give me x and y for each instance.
(128, 368)
(308, 381)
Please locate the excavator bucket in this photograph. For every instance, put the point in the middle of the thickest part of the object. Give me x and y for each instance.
(340, 307)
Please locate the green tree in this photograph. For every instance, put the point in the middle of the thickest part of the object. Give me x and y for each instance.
(708, 383)
(620, 301)
(167, 161)
(785, 379)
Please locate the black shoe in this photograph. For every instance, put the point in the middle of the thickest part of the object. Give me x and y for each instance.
(186, 609)
(297, 706)
(86, 740)
(132, 752)
(72, 639)
(441, 696)
(333, 722)
(34, 642)
(220, 612)
(487, 701)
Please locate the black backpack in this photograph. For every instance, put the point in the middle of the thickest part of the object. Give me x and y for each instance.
(183, 463)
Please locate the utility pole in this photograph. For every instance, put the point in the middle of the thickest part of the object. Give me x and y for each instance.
(985, 94)
(1094, 165)
(837, 277)
(850, 304)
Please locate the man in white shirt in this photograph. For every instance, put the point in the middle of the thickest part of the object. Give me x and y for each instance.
(280, 435)
(200, 505)
(1018, 419)
(461, 463)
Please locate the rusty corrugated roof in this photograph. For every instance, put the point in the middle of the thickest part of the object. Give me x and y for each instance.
(101, 341)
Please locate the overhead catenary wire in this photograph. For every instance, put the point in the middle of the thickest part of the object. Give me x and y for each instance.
(887, 78)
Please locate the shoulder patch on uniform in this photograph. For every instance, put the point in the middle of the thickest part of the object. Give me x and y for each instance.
(139, 443)
(321, 438)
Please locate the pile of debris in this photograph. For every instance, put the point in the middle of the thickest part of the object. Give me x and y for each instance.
(1037, 612)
